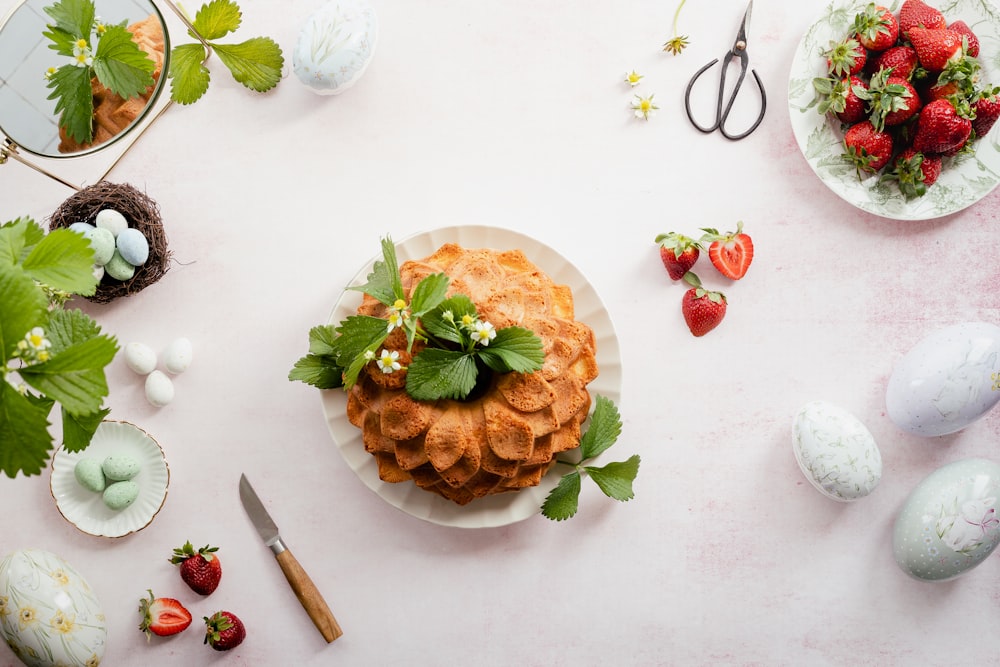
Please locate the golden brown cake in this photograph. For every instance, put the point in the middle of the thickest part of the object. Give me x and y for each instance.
(112, 114)
(505, 436)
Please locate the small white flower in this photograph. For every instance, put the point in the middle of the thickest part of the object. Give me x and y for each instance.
(484, 333)
(398, 314)
(82, 56)
(36, 339)
(467, 320)
(369, 355)
(633, 78)
(389, 361)
(644, 107)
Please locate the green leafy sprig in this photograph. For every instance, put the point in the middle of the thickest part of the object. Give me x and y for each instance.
(458, 344)
(48, 354)
(256, 63)
(106, 52)
(614, 479)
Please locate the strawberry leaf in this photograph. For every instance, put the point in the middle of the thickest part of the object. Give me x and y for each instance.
(564, 500)
(121, 66)
(320, 371)
(438, 327)
(188, 75)
(24, 437)
(71, 88)
(75, 376)
(255, 63)
(63, 260)
(514, 349)
(605, 427)
(23, 306)
(428, 293)
(384, 283)
(72, 16)
(217, 19)
(615, 479)
(78, 430)
(436, 374)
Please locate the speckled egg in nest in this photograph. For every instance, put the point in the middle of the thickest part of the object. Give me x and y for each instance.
(141, 213)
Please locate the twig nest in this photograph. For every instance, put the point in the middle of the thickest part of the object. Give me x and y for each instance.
(140, 213)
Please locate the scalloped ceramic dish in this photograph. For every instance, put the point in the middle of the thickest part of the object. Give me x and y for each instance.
(963, 181)
(85, 509)
(501, 509)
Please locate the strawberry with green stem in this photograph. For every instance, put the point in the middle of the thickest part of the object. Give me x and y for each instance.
(914, 172)
(224, 631)
(943, 126)
(876, 28)
(201, 570)
(845, 57)
(936, 47)
(731, 253)
(841, 97)
(703, 309)
(891, 100)
(162, 617)
(987, 109)
(678, 253)
(867, 148)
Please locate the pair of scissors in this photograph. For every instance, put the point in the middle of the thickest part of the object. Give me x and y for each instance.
(739, 51)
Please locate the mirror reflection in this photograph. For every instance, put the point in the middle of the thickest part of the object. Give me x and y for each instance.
(31, 72)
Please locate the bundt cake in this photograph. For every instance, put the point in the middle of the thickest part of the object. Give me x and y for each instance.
(507, 433)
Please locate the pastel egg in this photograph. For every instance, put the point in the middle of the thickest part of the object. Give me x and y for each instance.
(836, 451)
(947, 381)
(159, 389)
(120, 495)
(55, 619)
(120, 467)
(84, 228)
(949, 525)
(103, 244)
(98, 272)
(118, 268)
(90, 475)
(111, 220)
(335, 46)
(140, 358)
(133, 246)
(177, 355)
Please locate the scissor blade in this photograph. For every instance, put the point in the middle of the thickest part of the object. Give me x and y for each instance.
(741, 36)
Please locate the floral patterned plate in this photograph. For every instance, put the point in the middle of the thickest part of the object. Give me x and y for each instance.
(964, 180)
(501, 509)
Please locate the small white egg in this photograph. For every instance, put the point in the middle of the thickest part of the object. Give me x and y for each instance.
(111, 220)
(177, 356)
(159, 389)
(140, 358)
(133, 246)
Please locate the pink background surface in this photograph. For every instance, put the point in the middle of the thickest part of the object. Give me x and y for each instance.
(515, 114)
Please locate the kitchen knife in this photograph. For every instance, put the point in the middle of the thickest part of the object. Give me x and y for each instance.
(305, 589)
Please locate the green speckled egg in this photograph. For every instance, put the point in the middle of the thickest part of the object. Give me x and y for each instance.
(120, 495)
(90, 475)
(118, 268)
(103, 243)
(120, 467)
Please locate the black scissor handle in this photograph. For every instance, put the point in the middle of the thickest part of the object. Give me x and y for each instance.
(723, 108)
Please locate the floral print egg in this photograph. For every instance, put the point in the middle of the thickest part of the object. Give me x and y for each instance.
(949, 523)
(835, 451)
(335, 46)
(49, 615)
(948, 380)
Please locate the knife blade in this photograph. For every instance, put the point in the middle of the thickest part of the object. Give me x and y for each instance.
(305, 590)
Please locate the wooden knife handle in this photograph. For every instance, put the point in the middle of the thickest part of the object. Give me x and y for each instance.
(310, 597)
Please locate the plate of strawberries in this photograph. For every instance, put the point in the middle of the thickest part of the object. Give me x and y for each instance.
(893, 105)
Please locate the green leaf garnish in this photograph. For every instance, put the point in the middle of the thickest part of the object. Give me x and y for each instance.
(514, 349)
(436, 374)
(73, 16)
(189, 78)
(615, 479)
(384, 283)
(25, 441)
(605, 427)
(445, 329)
(564, 500)
(120, 65)
(73, 93)
(320, 371)
(428, 293)
(256, 63)
(64, 261)
(217, 19)
(79, 429)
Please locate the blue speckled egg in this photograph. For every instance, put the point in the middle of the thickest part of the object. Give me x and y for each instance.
(133, 246)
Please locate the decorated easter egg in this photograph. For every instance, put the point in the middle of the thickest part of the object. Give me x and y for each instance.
(949, 523)
(159, 389)
(49, 615)
(177, 355)
(133, 246)
(140, 358)
(948, 380)
(835, 451)
(335, 46)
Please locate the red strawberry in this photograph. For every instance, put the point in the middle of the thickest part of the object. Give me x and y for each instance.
(841, 98)
(935, 47)
(987, 110)
(703, 310)
(958, 77)
(224, 631)
(845, 57)
(162, 616)
(942, 128)
(962, 28)
(678, 253)
(867, 148)
(891, 100)
(902, 60)
(914, 172)
(915, 13)
(731, 253)
(876, 28)
(201, 569)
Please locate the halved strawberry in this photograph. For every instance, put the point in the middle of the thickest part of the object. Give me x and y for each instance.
(731, 253)
(935, 47)
(678, 253)
(703, 309)
(162, 616)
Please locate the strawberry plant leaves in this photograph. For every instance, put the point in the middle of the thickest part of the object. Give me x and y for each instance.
(437, 326)
(23, 306)
(78, 430)
(615, 479)
(428, 293)
(189, 78)
(322, 340)
(384, 283)
(68, 327)
(71, 88)
(564, 500)
(255, 63)
(121, 66)
(514, 349)
(75, 376)
(320, 371)
(24, 437)
(64, 261)
(16, 239)
(605, 427)
(72, 16)
(357, 335)
(437, 373)
(217, 19)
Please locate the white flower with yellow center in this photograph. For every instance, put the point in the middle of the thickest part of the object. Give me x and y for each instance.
(633, 78)
(484, 333)
(468, 320)
(644, 107)
(388, 361)
(50, 72)
(398, 315)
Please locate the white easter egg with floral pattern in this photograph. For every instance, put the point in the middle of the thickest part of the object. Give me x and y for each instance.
(836, 452)
(949, 523)
(49, 615)
(335, 46)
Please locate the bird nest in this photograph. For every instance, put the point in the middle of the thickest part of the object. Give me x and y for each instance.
(140, 211)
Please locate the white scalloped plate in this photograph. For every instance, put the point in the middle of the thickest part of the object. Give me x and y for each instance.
(501, 509)
(964, 179)
(85, 509)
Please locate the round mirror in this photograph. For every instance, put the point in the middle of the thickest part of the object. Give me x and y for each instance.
(32, 72)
